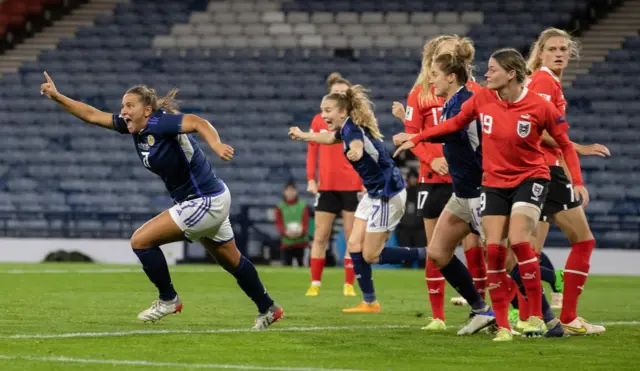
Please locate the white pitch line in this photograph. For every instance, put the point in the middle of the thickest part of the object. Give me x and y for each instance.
(211, 331)
(104, 271)
(620, 323)
(115, 362)
(237, 331)
(138, 270)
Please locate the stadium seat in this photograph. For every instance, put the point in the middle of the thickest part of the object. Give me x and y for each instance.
(276, 54)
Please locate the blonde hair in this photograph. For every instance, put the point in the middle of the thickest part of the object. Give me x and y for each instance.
(511, 60)
(149, 97)
(359, 107)
(430, 52)
(336, 78)
(534, 62)
(453, 63)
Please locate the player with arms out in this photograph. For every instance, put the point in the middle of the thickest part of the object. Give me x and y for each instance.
(548, 58)
(461, 215)
(423, 111)
(349, 114)
(202, 201)
(515, 178)
(336, 192)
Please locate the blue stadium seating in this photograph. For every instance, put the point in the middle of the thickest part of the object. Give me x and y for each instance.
(50, 161)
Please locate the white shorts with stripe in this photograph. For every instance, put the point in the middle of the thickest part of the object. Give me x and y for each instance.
(382, 214)
(205, 217)
(467, 209)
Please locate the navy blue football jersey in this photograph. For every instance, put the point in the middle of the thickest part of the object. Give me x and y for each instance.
(174, 156)
(379, 173)
(462, 149)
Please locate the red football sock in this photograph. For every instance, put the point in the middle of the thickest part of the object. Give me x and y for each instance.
(530, 274)
(435, 284)
(513, 288)
(477, 267)
(498, 283)
(523, 305)
(575, 276)
(317, 266)
(349, 274)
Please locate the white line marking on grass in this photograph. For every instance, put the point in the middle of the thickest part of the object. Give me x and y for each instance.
(237, 331)
(211, 331)
(106, 271)
(620, 323)
(213, 269)
(115, 362)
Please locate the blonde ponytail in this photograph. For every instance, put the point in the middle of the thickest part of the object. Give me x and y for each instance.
(336, 78)
(169, 103)
(464, 50)
(359, 107)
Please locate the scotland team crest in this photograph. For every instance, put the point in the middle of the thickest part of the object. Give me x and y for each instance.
(151, 140)
(524, 128)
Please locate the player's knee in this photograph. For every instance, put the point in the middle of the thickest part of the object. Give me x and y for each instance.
(441, 258)
(319, 243)
(138, 241)
(353, 246)
(370, 257)
(524, 218)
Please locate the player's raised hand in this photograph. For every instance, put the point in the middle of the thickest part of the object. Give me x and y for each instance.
(582, 194)
(400, 138)
(405, 146)
(225, 151)
(48, 88)
(398, 111)
(295, 133)
(593, 150)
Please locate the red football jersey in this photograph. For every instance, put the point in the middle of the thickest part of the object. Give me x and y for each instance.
(419, 116)
(473, 86)
(547, 84)
(511, 136)
(336, 173)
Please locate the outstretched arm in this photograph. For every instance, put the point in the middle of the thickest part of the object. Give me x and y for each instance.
(594, 149)
(81, 110)
(466, 115)
(323, 138)
(195, 124)
(450, 126)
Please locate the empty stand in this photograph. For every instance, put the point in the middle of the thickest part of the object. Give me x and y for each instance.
(253, 68)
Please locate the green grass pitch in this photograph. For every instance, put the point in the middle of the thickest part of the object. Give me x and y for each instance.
(83, 317)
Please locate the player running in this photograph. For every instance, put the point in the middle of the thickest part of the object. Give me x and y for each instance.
(349, 114)
(336, 192)
(423, 111)
(515, 178)
(202, 201)
(548, 58)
